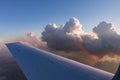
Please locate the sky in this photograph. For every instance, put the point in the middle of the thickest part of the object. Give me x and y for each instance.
(17, 17)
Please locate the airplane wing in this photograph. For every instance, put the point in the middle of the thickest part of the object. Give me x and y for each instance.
(38, 64)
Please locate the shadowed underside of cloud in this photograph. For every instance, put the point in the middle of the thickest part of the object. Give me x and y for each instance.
(71, 37)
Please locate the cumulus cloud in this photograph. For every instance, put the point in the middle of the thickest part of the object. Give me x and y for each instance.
(108, 41)
(71, 37)
(63, 37)
(104, 28)
(30, 39)
(73, 26)
(100, 48)
(30, 34)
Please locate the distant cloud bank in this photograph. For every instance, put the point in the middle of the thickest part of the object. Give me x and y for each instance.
(98, 48)
(104, 40)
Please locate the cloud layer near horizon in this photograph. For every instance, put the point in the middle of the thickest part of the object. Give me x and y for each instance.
(104, 40)
(70, 40)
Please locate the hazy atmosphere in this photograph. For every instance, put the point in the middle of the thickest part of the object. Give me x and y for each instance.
(81, 30)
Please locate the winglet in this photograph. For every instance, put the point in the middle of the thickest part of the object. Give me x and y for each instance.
(117, 75)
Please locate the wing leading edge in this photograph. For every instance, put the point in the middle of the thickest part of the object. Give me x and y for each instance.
(38, 64)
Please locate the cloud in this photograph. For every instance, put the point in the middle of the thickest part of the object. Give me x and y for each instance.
(108, 41)
(104, 28)
(109, 64)
(73, 26)
(71, 41)
(63, 37)
(100, 48)
(71, 37)
(30, 39)
(30, 34)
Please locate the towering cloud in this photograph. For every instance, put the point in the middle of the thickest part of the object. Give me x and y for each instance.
(108, 41)
(71, 37)
(66, 37)
(73, 26)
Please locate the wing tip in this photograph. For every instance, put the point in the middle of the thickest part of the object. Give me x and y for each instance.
(117, 75)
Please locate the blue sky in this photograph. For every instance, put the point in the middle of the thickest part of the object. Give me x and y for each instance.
(20, 16)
